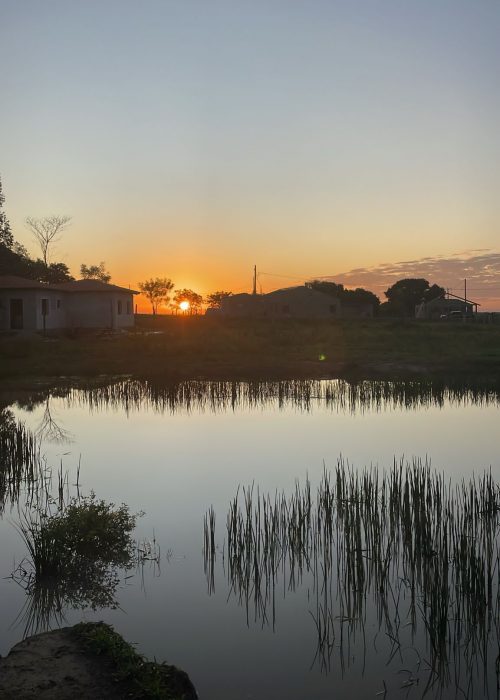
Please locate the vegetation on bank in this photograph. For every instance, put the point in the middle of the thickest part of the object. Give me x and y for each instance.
(141, 678)
(188, 347)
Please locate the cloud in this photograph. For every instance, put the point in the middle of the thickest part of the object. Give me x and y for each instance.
(480, 266)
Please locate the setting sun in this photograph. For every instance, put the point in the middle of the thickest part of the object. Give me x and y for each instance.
(184, 305)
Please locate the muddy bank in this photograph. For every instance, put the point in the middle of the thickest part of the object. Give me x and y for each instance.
(87, 662)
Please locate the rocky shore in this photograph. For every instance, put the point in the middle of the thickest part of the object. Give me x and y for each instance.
(89, 661)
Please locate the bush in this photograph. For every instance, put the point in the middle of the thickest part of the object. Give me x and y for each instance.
(73, 558)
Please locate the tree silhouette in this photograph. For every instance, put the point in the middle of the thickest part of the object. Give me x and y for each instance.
(156, 291)
(404, 295)
(214, 300)
(6, 236)
(47, 231)
(95, 272)
(195, 300)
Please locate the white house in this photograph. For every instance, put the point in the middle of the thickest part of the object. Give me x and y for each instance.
(29, 305)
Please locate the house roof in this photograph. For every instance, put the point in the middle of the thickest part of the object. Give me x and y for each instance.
(91, 286)
(301, 292)
(451, 299)
(15, 282)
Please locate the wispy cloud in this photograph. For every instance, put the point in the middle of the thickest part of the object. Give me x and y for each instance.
(480, 266)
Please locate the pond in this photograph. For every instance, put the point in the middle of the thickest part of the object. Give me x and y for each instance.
(292, 590)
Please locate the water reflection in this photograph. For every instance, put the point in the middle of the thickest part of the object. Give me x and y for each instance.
(50, 428)
(399, 563)
(199, 395)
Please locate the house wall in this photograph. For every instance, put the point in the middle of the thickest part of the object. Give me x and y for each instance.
(287, 303)
(29, 299)
(100, 310)
(357, 310)
(301, 303)
(57, 303)
(437, 307)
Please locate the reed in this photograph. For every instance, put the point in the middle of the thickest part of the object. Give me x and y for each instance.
(419, 551)
(21, 464)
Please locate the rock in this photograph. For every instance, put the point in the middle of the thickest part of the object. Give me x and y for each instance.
(59, 665)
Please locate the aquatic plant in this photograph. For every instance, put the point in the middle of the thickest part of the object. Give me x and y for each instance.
(419, 551)
(20, 460)
(73, 560)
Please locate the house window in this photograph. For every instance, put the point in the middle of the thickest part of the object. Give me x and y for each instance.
(58, 304)
(286, 308)
(119, 307)
(129, 308)
(333, 309)
(45, 307)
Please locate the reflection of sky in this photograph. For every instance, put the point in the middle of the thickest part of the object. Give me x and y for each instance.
(174, 466)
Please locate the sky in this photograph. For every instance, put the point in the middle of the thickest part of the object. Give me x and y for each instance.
(193, 139)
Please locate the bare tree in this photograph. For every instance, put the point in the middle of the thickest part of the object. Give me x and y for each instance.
(47, 231)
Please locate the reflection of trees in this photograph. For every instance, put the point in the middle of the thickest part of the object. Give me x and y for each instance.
(50, 430)
(405, 551)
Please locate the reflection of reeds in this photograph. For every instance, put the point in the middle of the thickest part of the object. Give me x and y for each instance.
(209, 548)
(338, 395)
(20, 460)
(424, 551)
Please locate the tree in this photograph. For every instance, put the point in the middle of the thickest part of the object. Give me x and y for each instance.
(54, 273)
(406, 294)
(156, 291)
(95, 272)
(330, 288)
(47, 231)
(214, 300)
(347, 296)
(6, 236)
(434, 292)
(194, 300)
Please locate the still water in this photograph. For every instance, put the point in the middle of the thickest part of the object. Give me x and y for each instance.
(280, 631)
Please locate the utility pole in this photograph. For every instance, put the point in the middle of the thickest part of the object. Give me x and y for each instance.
(254, 291)
(465, 299)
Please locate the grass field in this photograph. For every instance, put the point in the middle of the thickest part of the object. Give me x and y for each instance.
(189, 347)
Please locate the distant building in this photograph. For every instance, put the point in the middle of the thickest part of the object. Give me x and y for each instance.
(30, 305)
(449, 306)
(292, 302)
(300, 302)
(357, 309)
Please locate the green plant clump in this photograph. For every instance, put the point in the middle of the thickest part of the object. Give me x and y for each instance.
(73, 559)
(88, 535)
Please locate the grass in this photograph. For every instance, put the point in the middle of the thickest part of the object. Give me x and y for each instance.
(141, 679)
(173, 347)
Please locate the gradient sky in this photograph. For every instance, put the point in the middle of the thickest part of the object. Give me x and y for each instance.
(194, 138)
